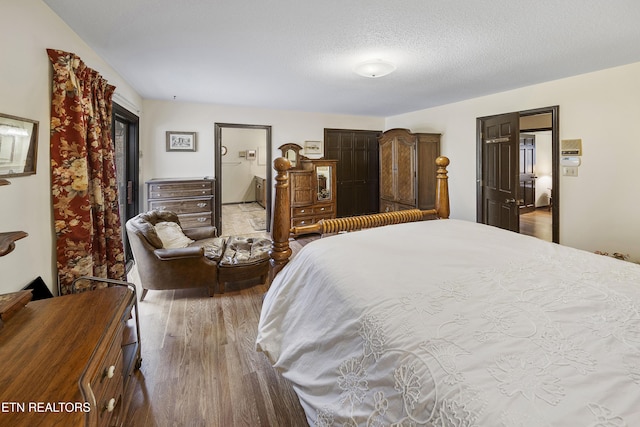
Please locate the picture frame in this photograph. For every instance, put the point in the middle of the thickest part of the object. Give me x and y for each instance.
(312, 147)
(181, 141)
(18, 146)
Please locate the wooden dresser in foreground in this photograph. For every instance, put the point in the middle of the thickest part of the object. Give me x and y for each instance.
(66, 361)
(191, 198)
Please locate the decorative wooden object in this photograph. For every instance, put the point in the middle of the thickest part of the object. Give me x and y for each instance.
(280, 251)
(7, 241)
(75, 353)
(192, 199)
(281, 231)
(291, 152)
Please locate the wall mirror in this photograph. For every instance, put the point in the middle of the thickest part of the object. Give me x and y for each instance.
(323, 173)
(291, 152)
(18, 146)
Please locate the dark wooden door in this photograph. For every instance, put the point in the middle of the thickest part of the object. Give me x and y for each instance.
(527, 199)
(500, 173)
(356, 170)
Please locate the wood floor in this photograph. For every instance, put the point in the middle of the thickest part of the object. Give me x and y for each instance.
(199, 364)
(200, 368)
(537, 223)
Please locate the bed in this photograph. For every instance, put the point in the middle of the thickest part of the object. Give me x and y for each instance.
(453, 323)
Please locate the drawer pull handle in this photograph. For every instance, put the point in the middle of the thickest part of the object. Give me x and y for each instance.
(321, 209)
(302, 211)
(201, 205)
(110, 371)
(202, 219)
(111, 405)
(162, 208)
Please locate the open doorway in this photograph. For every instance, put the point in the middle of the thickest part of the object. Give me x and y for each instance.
(518, 172)
(242, 174)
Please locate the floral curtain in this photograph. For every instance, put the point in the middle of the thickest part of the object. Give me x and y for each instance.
(83, 176)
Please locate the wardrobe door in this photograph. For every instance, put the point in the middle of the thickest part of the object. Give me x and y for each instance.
(428, 150)
(405, 159)
(387, 169)
(356, 171)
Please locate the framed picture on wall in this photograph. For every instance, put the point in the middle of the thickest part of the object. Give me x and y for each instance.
(181, 141)
(312, 147)
(18, 146)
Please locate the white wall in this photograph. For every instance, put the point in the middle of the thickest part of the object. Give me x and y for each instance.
(238, 171)
(28, 29)
(599, 209)
(287, 126)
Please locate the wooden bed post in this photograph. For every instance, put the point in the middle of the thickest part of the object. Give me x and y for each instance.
(280, 250)
(442, 188)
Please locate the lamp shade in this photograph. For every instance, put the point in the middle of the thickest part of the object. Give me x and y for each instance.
(374, 68)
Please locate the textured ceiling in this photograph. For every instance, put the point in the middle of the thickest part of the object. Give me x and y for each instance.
(299, 55)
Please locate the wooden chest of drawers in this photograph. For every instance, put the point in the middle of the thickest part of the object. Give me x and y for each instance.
(67, 361)
(191, 198)
(312, 192)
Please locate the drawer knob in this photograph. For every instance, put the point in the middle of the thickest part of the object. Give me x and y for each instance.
(201, 205)
(321, 209)
(110, 371)
(302, 211)
(111, 405)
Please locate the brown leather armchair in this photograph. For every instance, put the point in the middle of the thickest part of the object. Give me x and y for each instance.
(161, 268)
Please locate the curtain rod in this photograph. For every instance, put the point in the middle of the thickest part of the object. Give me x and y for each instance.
(122, 100)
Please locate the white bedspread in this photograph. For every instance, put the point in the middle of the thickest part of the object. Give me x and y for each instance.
(451, 323)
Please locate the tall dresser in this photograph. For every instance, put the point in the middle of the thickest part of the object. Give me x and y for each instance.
(192, 199)
(312, 191)
(408, 169)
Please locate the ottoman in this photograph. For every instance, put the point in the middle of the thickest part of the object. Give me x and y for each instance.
(244, 258)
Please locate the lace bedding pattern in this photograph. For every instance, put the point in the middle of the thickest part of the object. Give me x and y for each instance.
(538, 369)
(550, 341)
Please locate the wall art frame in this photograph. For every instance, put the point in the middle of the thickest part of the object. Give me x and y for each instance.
(18, 146)
(181, 141)
(312, 147)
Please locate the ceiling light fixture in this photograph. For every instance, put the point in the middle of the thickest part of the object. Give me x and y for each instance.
(374, 68)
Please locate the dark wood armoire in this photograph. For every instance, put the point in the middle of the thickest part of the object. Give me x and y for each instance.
(408, 169)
